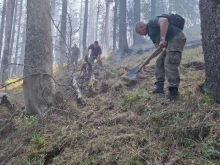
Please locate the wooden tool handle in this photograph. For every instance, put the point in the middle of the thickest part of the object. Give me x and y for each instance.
(158, 51)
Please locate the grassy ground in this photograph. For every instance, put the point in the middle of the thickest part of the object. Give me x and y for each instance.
(119, 122)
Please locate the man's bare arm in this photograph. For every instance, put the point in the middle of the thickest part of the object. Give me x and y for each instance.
(163, 23)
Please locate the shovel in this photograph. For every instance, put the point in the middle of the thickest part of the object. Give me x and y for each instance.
(133, 72)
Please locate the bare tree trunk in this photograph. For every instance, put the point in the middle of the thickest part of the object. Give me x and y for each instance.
(115, 24)
(137, 16)
(90, 18)
(8, 28)
(106, 32)
(93, 21)
(14, 70)
(38, 89)
(210, 23)
(153, 8)
(85, 27)
(123, 43)
(57, 40)
(13, 34)
(70, 33)
(53, 10)
(97, 21)
(63, 51)
(21, 57)
(80, 32)
(2, 26)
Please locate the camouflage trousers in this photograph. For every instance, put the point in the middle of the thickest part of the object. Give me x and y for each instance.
(168, 62)
(91, 61)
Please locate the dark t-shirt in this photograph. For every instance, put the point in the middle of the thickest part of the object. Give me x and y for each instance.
(75, 51)
(95, 51)
(153, 31)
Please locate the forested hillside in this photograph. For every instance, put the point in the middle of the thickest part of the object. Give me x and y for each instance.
(109, 82)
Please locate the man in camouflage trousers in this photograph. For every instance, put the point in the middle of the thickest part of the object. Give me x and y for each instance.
(165, 35)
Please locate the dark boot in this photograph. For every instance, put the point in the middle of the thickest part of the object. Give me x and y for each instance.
(159, 88)
(173, 93)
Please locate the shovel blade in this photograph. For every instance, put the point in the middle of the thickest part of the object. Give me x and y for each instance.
(132, 76)
(133, 72)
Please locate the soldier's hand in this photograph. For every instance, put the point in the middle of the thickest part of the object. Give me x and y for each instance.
(163, 44)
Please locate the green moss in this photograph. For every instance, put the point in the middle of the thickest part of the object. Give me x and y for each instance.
(38, 140)
(35, 154)
(12, 80)
(132, 97)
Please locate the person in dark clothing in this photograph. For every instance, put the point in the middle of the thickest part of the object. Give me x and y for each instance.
(75, 54)
(96, 52)
(165, 35)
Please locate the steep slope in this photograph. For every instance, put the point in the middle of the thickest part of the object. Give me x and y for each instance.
(119, 121)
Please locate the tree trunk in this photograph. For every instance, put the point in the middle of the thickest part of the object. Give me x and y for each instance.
(90, 19)
(123, 44)
(97, 21)
(53, 30)
(63, 51)
(57, 42)
(106, 32)
(38, 58)
(13, 33)
(137, 16)
(80, 32)
(21, 57)
(115, 24)
(70, 39)
(8, 28)
(14, 70)
(52, 11)
(210, 26)
(2, 26)
(93, 20)
(153, 8)
(85, 27)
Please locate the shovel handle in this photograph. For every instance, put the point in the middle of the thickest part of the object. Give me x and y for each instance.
(157, 51)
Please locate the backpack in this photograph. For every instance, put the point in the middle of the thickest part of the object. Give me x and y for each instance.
(174, 19)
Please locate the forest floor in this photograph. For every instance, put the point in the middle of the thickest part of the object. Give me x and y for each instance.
(117, 122)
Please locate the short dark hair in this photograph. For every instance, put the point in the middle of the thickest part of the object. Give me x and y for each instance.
(96, 42)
